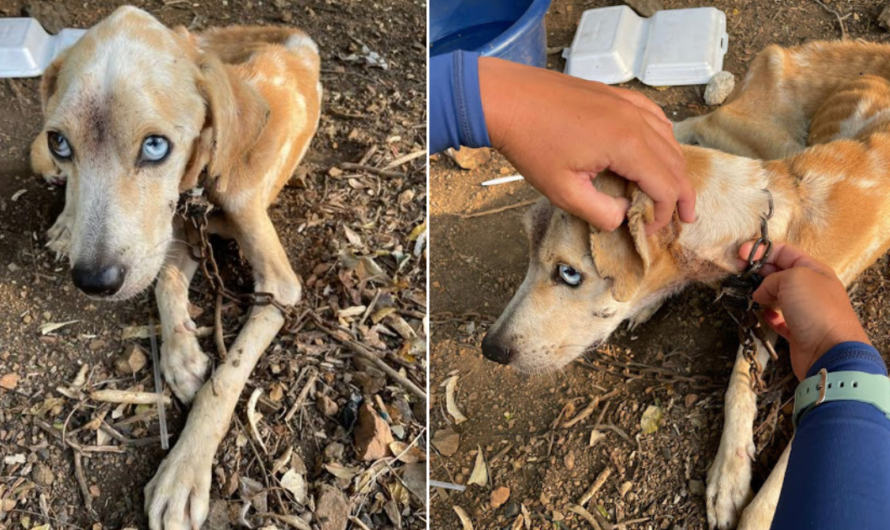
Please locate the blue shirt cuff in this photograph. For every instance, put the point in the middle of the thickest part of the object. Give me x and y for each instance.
(456, 115)
(850, 357)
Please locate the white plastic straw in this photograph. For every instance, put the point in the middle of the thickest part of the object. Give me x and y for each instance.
(503, 180)
(159, 384)
(447, 486)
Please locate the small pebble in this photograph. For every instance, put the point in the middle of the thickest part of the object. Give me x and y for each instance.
(719, 88)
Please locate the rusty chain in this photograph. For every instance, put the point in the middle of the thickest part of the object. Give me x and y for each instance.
(194, 208)
(737, 295)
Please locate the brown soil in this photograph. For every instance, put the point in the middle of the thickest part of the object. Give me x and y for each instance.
(364, 107)
(476, 265)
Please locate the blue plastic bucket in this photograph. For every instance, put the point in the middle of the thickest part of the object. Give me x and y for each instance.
(509, 29)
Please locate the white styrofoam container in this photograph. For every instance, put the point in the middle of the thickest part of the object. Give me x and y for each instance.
(26, 49)
(673, 47)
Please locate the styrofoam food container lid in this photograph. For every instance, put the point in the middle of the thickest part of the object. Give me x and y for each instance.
(26, 49)
(673, 47)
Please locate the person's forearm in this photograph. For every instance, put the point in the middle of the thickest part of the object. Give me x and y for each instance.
(838, 472)
(456, 116)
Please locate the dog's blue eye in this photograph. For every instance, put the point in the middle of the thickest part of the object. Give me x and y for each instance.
(58, 144)
(569, 275)
(155, 148)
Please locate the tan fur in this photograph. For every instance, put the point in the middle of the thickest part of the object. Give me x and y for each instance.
(239, 105)
(810, 124)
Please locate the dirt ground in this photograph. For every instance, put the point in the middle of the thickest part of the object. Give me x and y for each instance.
(680, 360)
(350, 234)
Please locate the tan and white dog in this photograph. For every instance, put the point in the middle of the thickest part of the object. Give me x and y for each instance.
(137, 113)
(810, 124)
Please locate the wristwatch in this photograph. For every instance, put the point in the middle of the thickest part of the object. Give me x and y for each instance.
(841, 386)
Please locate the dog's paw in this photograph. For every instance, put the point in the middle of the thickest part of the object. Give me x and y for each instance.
(643, 315)
(55, 179)
(184, 365)
(178, 497)
(729, 484)
(58, 237)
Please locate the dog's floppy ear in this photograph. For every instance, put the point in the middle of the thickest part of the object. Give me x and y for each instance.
(236, 117)
(623, 254)
(198, 161)
(49, 82)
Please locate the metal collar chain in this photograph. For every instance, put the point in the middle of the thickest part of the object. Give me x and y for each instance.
(737, 293)
(194, 208)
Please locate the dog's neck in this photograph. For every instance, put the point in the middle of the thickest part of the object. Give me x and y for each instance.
(732, 197)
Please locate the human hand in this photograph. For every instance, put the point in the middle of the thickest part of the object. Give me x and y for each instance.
(806, 303)
(560, 132)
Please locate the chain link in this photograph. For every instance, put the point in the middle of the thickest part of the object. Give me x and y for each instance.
(194, 209)
(740, 288)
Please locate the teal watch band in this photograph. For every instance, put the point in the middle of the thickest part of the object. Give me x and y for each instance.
(841, 386)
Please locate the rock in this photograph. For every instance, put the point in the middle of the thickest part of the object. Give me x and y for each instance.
(9, 381)
(499, 496)
(446, 441)
(624, 488)
(690, 400)
(53, 16)
(42, 475)
(719, 88)
(96, 344)
(696, 487)
(646, 8)
(219, 515)
(884, 18)
(468, 158)
(132, 360)
(327, 406)
(334, 452)
(332, 508)
(296, 484)
(414, 477)
(372, 435)
(512, 510)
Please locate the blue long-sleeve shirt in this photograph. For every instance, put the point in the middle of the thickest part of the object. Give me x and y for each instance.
(456, 116)
(839, 469)
(838, 473)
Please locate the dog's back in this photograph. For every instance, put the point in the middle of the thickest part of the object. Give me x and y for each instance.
(769, 114)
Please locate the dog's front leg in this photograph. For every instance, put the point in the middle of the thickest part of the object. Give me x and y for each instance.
(182, 361)
(729, 479)
(759, 514)
(178, 496)
(58, 237)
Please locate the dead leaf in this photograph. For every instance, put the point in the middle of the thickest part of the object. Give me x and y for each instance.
(49, 327)
(464, 518)
(254, 417)
(419, 229)
(479, 476)
(353, 238)
(341, 471)
(407, 454)
(282, 461)
(651, 419)
(595, 437)
(296, 484)
(450, 402)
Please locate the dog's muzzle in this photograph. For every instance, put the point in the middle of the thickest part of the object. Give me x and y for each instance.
(99, 280)
(495, 350)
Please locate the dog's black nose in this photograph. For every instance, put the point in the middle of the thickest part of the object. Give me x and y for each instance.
(98, 280)
(495, 350)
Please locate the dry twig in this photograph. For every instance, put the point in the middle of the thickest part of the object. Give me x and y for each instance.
(498, 210)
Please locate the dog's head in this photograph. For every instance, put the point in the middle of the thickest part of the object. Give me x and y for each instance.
(581, 283)
(134, 112)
